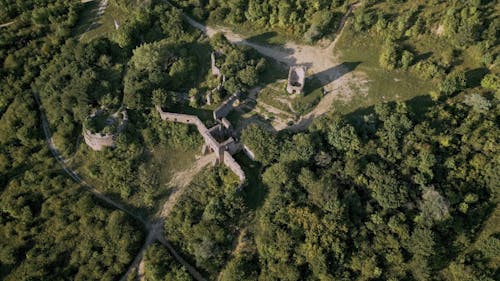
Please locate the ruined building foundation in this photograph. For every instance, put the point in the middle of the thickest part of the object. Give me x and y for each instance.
(224, 150)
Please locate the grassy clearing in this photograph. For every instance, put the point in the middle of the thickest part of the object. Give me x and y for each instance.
(274, 94)
(167, 161)
(383, 85)
(104, 26)
(164, 160)
(299, 104)
(305, 102)
(252, 33)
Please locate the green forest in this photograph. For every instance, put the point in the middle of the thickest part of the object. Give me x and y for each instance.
(390, 183)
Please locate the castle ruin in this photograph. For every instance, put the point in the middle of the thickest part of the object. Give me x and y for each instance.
(97, 141)
(218, 138)
(296, 79)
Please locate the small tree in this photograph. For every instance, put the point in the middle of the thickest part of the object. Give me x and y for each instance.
(491, 82)
(389, 55)
(453, 83)
(407, 59)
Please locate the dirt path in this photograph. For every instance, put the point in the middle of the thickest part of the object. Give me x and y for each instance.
(154, 227)
(322, 63)
(6, 24)
(179, 182)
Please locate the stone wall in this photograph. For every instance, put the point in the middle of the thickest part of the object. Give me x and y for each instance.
(296, 79)
(215, 70)
(235, 167)
(223, 150)
(248, 152)
(226, 107)
(98, 141)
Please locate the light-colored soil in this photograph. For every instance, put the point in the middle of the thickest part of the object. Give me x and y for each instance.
(180, 181)
(6, 24)
(439, 30)
(320, 59)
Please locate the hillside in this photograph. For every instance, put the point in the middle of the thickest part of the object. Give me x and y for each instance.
(160, 140)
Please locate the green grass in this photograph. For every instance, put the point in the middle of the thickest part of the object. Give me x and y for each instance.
(105, 26)
(305, 102)
(253, 33)
(383, 85)
(274, 94)
(274, 71)
(166, 160)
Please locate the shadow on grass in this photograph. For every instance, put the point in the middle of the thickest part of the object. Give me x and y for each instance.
(333, 73)
(268, 38)
(88, 18)
(474, 76)
(254, 193)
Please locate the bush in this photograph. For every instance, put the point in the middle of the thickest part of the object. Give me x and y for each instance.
(491, 82)
(389, 55)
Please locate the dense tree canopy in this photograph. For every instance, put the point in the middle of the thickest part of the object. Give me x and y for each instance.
(396, 194)
(311, 19)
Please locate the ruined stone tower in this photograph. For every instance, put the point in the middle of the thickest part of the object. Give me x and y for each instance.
(296, 79)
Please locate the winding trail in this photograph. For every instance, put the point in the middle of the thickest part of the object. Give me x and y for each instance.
(154, 227)
(320, 61)
(179, 183)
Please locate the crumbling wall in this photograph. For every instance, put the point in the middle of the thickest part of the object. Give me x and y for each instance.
(223, 150)
(98, 142)
(235, 167)
(248, 152)
(215, 70)
(231, 146)
(193, 120)
(296, 79)
(226, 107)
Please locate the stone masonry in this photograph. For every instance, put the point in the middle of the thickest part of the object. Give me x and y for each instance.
(223, 150)
(99, 141)
(296, 79)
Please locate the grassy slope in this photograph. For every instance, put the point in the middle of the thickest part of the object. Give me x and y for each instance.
(384, 85)
(167, 160)
(105, 23)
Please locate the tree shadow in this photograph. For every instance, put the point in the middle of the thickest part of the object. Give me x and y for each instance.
(254, 192)
(265, 38)
(474, 76)
(331, 74)
(423, 56)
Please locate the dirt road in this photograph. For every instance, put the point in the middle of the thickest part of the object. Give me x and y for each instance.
(320, 61)
(179, 183)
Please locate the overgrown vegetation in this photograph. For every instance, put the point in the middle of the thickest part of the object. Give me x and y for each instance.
(207, 218)
(384, 196)
(395, 191)
(308, 20)
(160, 265)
